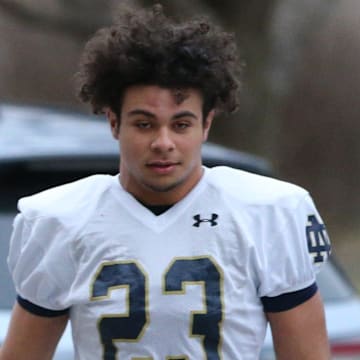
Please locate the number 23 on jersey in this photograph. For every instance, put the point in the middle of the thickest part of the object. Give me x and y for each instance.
(130, 326)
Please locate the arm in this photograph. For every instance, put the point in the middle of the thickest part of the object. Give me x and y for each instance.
(300, 333)
(32, 337)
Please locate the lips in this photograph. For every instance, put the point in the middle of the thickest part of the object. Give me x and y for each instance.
(162, 167)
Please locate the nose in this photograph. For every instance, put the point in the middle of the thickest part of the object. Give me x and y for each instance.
(162, 142)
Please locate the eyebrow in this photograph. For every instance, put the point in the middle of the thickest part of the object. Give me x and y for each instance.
(140, 112)
(150, 114)
(184, 114)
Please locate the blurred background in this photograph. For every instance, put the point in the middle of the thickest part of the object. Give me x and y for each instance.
(301, 81)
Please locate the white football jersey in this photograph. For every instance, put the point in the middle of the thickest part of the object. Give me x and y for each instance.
(186, 284)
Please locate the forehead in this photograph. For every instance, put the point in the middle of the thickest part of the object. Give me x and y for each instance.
(153, 97)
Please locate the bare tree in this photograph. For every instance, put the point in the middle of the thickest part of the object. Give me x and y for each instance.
(319, 124)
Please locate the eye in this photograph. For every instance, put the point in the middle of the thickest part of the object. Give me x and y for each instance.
(143, 124)
(181, 125)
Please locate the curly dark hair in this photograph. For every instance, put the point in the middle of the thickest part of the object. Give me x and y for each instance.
(147, 47)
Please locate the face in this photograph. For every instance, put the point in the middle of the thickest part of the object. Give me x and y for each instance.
(160, 141)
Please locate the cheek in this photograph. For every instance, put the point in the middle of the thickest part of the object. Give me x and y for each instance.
(132, 147)
(191, 146)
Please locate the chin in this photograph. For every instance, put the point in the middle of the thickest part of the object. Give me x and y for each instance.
(162, 188)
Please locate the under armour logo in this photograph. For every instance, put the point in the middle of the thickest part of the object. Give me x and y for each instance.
(211, 221)
(317, 239)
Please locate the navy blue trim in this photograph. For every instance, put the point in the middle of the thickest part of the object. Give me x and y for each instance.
(38, 310)
(289, 300)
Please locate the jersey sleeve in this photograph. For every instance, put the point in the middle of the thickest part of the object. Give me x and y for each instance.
(295, 248)
(40, 262)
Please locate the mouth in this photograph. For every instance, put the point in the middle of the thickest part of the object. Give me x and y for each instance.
(162, 167)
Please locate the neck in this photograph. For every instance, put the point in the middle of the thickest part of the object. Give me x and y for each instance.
(148, 195)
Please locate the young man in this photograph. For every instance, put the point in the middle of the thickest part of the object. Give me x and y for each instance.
(167, 260)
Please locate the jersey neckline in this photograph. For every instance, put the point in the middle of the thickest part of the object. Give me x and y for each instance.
(144, 215)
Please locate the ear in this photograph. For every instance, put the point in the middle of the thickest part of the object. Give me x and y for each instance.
(114, 123)
(207, 124)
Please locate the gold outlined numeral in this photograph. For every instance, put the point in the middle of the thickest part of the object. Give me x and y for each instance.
(130, 326)
(207, 323)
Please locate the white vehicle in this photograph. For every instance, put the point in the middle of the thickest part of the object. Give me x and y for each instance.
(41, 148)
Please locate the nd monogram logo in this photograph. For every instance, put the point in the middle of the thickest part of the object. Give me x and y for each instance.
(317, 239)
(211, 221)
